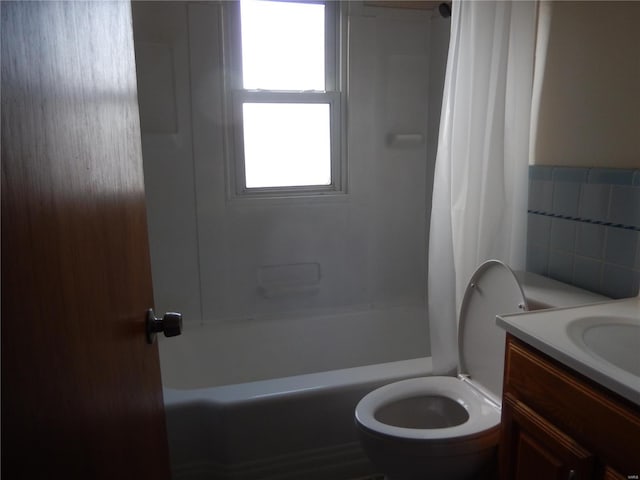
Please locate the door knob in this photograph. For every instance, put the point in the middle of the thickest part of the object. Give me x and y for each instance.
(170, 324)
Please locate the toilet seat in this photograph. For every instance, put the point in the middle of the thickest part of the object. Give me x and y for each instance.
(492, 289)
(484, 415)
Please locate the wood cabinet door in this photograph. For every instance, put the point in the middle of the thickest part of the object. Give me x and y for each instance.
(611, 474)
(81, 388)
(531, 448)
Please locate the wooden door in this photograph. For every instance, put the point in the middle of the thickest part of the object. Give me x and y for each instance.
(533, 449)
(81, 391)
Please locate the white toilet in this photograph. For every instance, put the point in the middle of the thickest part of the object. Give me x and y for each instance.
(447, 428)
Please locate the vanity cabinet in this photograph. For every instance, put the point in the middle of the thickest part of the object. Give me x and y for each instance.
(559, 425)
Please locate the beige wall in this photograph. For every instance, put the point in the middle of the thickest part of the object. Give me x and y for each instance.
(587, 88)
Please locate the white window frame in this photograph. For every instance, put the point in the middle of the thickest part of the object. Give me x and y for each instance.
(235, 95)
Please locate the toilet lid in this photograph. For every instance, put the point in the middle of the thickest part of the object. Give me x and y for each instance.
(492, 290)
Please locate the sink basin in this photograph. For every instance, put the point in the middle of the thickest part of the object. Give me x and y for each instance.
(615, 340)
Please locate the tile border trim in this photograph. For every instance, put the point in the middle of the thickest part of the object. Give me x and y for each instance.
(585, 220)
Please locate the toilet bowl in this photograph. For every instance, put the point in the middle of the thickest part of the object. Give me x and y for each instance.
(429, 427)
(447, 428)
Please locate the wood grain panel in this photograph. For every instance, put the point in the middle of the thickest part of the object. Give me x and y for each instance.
(604, 423)
(533, 448)
(535, 462)
(81, 392)
(611, 474)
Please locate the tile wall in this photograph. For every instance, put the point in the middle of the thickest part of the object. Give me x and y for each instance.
(584, 227)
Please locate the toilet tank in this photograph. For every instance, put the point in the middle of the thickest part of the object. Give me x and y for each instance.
(543, 292)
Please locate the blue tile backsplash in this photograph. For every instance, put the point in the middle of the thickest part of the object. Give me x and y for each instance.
(584, 227)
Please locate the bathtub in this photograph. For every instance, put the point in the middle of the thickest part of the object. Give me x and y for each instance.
(286, 428)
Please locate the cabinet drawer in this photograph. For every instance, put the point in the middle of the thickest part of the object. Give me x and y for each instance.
(608, 427)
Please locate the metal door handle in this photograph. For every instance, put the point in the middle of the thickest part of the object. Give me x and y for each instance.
(170, 324)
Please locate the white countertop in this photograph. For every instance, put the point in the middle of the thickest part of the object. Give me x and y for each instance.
(557, 333)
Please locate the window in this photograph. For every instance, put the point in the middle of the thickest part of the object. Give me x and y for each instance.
(283, 97)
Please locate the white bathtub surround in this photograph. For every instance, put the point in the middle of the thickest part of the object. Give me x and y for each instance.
(480, 189)
(279, 275)
(246, 350)
(288, 428)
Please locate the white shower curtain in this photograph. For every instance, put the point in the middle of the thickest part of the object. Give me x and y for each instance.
(480, 184)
